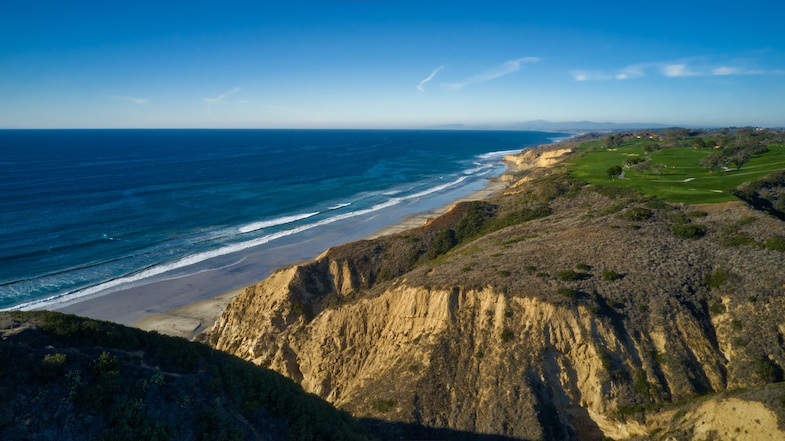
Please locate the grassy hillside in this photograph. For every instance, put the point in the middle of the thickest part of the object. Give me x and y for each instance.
(678, 176)
(64, 377)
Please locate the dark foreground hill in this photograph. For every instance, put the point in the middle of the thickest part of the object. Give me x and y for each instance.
(65, 378)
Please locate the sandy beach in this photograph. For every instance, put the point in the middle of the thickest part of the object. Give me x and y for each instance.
(188, 304)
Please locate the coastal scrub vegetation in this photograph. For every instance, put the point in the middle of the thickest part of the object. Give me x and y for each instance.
(87, 379)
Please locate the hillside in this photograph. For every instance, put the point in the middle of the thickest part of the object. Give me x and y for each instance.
(64, 377)
(562, 308)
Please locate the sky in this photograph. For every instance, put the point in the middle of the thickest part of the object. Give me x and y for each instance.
(389, 63)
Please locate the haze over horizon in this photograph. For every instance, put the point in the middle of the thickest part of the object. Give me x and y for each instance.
(388, 64)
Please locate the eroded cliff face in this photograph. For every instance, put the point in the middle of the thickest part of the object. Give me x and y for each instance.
(534, 158)
(471, 360)
(491, 338)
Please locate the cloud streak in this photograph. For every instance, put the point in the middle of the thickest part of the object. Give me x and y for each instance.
(692, 67)
(220, 98)
(139, 101)
(493, 73)
(421, 86)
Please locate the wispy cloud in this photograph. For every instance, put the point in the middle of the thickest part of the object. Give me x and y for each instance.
(726, 70)
(421, 86)
(691, 67)
(139, 101)
(501, 70)
(678, 70)
(220, 98)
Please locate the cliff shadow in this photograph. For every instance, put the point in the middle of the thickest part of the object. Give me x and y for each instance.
(391, 430)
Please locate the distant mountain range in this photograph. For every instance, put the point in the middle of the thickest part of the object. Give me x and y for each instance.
(565, 126)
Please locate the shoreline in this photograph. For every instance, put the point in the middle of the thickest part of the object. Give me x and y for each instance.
(187, 303)
(194, 318)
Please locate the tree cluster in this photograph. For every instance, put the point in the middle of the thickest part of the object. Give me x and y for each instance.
(736, 152)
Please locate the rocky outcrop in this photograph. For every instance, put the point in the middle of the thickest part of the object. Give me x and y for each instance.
(535, 158)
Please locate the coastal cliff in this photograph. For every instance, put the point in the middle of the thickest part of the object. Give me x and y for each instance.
(554, 310)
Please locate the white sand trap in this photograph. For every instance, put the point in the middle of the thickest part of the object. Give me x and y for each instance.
(716, 191)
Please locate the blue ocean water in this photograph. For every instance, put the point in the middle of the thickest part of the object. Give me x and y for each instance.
(91, 210)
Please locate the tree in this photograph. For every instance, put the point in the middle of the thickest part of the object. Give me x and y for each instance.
(740, 158)
(642, 167)
(614, 171)
(657, 169)
(713, 162)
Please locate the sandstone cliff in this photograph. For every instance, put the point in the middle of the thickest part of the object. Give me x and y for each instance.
(548, 312)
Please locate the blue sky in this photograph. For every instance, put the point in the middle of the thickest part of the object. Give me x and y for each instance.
(389, 64)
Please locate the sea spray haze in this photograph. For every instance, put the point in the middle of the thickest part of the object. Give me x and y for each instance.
(85, 211)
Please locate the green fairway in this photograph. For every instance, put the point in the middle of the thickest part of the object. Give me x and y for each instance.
(681, 179)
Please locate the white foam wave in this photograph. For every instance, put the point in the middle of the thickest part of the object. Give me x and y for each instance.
(472, 171)
(201, 257)
(500, 154)
(275, 222)
(337, 206)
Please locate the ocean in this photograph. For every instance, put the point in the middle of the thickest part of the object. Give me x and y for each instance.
(93, 211)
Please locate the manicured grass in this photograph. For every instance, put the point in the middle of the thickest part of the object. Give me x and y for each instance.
(681, 164)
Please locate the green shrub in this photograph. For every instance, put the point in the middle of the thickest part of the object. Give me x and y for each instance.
(767, 370)
(738, 240)
(582, 267)
(697, 214)
(566, 292)
(717, 308)
(775, 243)
(689, 231)
(632, 161)
(610, 275)
(444, 241)
(658, 204)
(677, 217)
(383, 405)
(641, 384)
(716, 279)
(613, 208)
(569, 275)
(107, 363)
(52, 366)
(637, 214)
(617, 192)
(507, 335)
(56, 359)
(473, 222)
